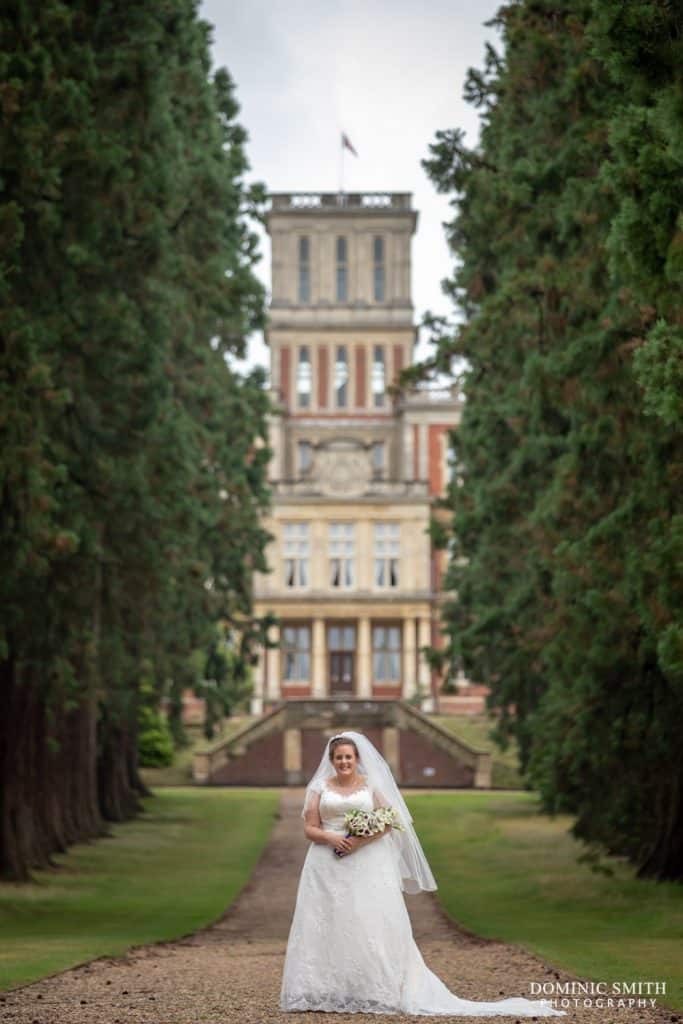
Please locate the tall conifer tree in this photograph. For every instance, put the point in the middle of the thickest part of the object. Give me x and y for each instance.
(566, 529)
(133, 458)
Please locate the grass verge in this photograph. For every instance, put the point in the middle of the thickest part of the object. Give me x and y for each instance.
(172, 870)
(507, 873)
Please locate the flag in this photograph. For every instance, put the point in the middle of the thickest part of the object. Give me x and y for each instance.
(347, 142)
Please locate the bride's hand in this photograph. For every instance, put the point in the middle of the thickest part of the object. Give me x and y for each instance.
(350, 844)
(341, 843)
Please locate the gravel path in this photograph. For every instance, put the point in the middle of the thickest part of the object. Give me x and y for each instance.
(232, 970)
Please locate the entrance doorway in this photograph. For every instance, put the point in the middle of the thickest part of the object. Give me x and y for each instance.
(341, 652)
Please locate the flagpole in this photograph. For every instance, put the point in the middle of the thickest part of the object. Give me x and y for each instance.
(341, 166)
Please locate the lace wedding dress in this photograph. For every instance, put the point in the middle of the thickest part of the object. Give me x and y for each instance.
(351, 947)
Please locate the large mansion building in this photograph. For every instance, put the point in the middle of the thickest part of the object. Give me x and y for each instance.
(355, 471)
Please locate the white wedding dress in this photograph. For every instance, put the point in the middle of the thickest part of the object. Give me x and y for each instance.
(351, 947)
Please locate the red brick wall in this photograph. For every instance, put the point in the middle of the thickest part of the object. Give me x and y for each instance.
(384, 691)
(323, 376)
(360, 376)
(418, 753)
(286, 375)
(295, 690)
(261, 765)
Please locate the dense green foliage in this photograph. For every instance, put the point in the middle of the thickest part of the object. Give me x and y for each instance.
(132, 457)
(567, 525)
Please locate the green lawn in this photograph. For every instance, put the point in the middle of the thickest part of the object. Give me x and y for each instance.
(505, 872)
(474, 731)
(170, 871)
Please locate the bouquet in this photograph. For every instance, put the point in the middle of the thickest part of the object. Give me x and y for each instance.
(369, 823)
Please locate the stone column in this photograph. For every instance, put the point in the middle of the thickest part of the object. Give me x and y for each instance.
(275, 467)
(424, 672)
(273, 653)
(292, 756)
(423, 454)
(319, 682)
(408, 466)
(391, 747)
(409, 647)
(364, 659)
(256, 703)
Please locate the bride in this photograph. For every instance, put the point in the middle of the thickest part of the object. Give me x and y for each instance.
(351, 947)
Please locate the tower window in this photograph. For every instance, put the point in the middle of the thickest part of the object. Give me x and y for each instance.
(305, 456)
(341, 377)
(342, 270)
(304, 269)
(304, 378)
(378, 376)
(378, 268)
(378, 458)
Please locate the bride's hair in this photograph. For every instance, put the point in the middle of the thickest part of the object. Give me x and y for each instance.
(342, 741)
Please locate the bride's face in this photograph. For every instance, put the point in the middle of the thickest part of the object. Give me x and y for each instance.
(344, 760)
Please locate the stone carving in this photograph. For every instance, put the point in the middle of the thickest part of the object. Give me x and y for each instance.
(343, 467)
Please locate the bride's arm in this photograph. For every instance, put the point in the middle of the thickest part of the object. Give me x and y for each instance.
(313, 826)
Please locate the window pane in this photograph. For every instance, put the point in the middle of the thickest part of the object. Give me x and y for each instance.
(341, 375)
(379, 284)
(304, 456)
(334, 636)
(304, 377)
(341, 284)
(349, 638)
(377, 377)
(378, 249)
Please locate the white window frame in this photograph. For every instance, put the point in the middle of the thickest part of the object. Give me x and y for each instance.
(304, 377)
(296, 547)
(386, 658)
(387, 553)
(341, 376)
(296, 656)
(342, 545)
(378, 376)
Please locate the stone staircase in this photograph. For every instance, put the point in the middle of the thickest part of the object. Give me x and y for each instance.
(284, 746)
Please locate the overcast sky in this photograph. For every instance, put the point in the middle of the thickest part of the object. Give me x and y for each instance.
(389, 73)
